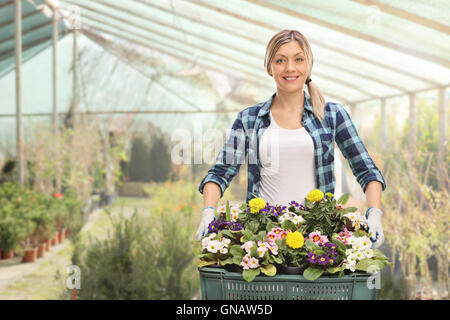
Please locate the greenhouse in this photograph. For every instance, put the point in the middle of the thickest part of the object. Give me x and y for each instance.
(113, 114)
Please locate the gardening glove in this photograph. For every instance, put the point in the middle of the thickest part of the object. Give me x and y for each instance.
(373, 217)
(208, 214)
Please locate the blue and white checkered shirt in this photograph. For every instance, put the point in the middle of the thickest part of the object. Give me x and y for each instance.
(243, 143)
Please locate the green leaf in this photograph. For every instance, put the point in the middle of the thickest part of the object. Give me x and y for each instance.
(379, 254)
(288, 225)
(343, 199)
(333, 269)
(250, 274)
(236, 250)
(312, 273)
(229, 234)
(226, 261)
(203, 263)
(227, 211)
(237, 260)
(310, 245)
(254, 252)
(277, 259)
(269, 270)
(262, 235)
(248, 236)
(367, 265)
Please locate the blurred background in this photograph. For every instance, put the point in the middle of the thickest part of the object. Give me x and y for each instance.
(97, 96)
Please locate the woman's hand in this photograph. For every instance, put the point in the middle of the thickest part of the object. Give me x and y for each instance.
(375, 228)
(208, 214)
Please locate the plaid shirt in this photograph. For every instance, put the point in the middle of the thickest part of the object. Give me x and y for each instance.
(250, 124)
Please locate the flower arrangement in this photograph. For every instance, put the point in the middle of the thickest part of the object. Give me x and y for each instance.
(320, 237)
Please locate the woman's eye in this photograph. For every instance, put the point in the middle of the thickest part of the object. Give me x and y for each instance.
(279, 60)
(299, 59)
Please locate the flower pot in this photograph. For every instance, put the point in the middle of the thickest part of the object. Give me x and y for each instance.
(30, 255)
(48, 244)
(8, 255)
(291, 270)
(62, 235)
(55, 239)
(41, 250)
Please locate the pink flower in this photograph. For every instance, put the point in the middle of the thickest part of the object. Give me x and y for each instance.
(316, 237)
(340, 206)
(276, 233)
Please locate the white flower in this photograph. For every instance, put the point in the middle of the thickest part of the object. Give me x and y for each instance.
(226, 241)
(223, 250)
(222, 209)
(205, 242)
(212, 235)
(351, 259)
(298, 219)
(351, 240)
(350, 267)
(213, 246)
(359, 255)
(368, 253)
(365, 243)
(349, 252)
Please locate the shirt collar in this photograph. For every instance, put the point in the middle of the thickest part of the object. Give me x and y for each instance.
(266, 105)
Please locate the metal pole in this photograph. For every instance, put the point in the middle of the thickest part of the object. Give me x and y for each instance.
(442, 137)
(75, 77)
(383, 123)
(18, 58)
(412, 124)
(55, 72)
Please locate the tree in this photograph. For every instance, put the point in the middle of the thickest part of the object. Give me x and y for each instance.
(139, 169)
(159, 159)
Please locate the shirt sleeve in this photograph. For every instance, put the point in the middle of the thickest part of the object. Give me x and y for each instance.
(353, 149)
(229, 159)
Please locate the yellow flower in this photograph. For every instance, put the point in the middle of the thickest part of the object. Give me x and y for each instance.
(315, 195)
(329, 195)
(256, 205)
(295, 240)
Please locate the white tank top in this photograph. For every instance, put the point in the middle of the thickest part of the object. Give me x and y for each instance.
(288, 170)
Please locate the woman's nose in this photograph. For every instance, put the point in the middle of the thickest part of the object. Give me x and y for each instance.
(290, 66)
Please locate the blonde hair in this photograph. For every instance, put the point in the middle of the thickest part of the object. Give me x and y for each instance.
(285, 36)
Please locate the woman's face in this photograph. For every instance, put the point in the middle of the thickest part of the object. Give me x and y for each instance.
(289, 67)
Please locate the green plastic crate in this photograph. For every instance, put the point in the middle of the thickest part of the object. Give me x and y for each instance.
(220, 284)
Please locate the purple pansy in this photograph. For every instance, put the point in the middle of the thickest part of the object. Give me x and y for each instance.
(312, 258)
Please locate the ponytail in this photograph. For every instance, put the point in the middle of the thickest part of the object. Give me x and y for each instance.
(317, 100)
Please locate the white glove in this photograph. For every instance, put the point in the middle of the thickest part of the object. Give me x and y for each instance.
(207, 216)
(375, 227)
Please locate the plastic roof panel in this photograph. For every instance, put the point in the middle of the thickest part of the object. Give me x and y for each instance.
(36, 32)
(173, 51)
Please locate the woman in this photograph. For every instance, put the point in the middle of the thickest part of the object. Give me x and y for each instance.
(289, 141)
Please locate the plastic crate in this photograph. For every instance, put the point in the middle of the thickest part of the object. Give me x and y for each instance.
(220, 284)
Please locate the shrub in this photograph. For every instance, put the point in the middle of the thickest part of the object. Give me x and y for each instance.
(137, 261)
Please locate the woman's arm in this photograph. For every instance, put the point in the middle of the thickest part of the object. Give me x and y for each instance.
(211, 195)
(373, 194)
